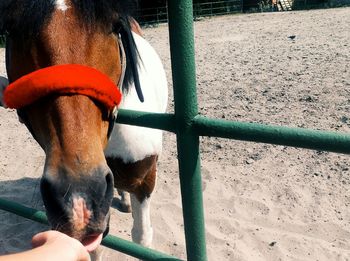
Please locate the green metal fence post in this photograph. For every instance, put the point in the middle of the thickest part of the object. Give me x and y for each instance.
(180, 15)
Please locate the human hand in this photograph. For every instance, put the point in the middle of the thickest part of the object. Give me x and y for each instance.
(58, 243)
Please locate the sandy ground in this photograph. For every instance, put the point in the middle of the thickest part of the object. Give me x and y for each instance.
(262, 202)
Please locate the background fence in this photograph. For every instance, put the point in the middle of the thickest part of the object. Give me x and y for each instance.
(217, 8)
(159, 14)
(188, 126)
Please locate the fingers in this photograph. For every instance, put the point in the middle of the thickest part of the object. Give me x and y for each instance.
(56, 241)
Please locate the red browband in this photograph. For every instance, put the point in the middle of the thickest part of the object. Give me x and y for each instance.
(62, 79)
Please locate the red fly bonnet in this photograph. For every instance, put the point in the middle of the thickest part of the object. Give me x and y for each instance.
(62, 79)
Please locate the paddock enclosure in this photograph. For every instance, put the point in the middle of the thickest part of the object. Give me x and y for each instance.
(261, 201)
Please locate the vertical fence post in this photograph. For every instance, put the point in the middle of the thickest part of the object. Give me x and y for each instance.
(180, 14)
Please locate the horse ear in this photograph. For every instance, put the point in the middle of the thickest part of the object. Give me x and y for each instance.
(3, 84)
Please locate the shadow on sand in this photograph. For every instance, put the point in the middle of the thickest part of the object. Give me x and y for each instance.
(16, 232)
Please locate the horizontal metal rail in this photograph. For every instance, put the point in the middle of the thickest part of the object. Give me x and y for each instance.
(161, 121)
(109, 241)
(278, 135)
(246, 131)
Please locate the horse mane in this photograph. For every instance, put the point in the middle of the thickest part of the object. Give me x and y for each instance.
(116, 13)
(28, 16)
(23, 20)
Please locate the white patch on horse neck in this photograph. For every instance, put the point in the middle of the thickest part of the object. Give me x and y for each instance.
(131, 143)
(61, 5)
(142, 231)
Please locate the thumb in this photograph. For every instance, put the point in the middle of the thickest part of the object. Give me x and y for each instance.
(40, 239)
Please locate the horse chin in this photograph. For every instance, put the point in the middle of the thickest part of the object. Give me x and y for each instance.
(91, 236)
(91, 242)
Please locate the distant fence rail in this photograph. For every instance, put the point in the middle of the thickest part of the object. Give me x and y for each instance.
(153, 15)
(219, 7)
(222, 7)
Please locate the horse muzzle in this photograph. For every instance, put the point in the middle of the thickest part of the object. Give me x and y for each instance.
(79, 205)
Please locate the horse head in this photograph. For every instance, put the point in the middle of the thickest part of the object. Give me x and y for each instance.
(59, 54)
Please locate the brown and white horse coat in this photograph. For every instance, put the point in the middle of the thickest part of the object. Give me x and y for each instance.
(82, 166)
(134, 150)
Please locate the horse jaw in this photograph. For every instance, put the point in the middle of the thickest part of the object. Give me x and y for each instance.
(3, 84)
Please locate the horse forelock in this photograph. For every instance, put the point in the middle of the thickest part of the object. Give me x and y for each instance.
(23, 19)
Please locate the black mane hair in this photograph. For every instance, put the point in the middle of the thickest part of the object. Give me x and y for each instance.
(26, 17)
(116, 13)
(22, 20)
(104, 12)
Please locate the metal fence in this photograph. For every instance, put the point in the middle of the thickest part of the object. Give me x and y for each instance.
(319, 4)
(153, 15)
(219, 7)
(309, 4)
(223, 7)
(188, 127)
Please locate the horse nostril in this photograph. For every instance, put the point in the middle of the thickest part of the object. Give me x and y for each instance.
(53, 203)
(110, 185)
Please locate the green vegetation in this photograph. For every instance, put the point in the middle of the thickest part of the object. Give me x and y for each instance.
(2, 41)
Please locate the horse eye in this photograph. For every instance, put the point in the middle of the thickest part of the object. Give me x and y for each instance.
(116, 28)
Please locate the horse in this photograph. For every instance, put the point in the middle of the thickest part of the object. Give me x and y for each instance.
(71, 65)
